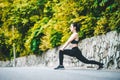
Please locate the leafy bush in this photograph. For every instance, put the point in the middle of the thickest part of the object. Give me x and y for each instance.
(101, 27)
(55, 38)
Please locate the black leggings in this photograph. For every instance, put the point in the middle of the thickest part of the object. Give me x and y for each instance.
(75, 52)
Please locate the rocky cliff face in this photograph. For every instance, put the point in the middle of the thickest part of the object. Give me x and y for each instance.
(104, 48)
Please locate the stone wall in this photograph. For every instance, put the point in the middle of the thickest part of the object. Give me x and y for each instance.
(104, 48)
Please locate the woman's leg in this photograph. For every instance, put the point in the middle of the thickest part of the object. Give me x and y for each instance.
(85, 60)
(65, 52)
(61, 57)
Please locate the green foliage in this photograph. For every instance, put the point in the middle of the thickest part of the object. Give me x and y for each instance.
(101, 27)
(40, 25)
(87, 26)
(33, 38)
(55, 38)
(114, 21)
(4, 48)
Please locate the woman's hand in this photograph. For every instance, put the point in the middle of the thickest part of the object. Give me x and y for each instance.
(61, 49)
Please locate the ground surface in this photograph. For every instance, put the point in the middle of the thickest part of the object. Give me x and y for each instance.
(42, 73)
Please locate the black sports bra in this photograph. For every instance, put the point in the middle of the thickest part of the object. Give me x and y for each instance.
(74, 42)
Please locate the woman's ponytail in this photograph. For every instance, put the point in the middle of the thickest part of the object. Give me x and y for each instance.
(77, 25)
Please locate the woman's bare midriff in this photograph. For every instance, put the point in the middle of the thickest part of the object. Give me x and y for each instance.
(74, 45)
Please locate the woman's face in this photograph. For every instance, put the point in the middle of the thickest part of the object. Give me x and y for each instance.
(72, 28)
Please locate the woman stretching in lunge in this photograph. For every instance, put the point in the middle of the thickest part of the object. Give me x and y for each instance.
(74, 52)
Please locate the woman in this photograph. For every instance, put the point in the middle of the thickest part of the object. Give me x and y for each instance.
(74, 52)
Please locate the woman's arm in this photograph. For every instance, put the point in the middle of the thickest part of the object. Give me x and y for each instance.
(72, 37)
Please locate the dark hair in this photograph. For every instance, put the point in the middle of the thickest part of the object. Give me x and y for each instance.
(77, 25)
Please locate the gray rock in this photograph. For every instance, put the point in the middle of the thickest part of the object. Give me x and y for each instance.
(103, 48)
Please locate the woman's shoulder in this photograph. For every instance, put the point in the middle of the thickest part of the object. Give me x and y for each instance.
(75, 34)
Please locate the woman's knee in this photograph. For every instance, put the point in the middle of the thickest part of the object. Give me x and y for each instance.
(60, 51)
